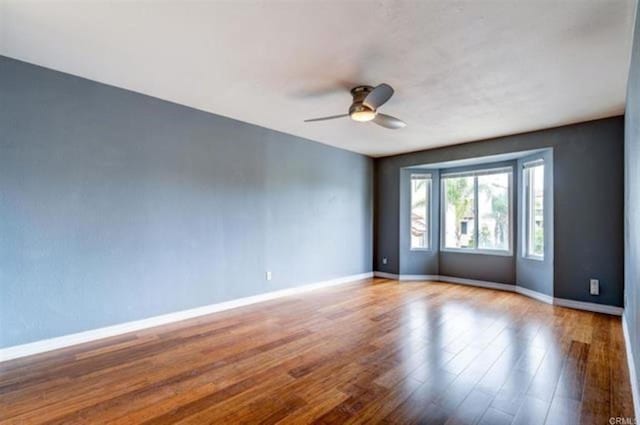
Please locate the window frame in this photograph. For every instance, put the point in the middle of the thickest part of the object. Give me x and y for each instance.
(509, 169)
(526, 207)
(429, 179)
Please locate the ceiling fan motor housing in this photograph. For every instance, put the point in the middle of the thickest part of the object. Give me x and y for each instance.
(359, 93)
(358, 111)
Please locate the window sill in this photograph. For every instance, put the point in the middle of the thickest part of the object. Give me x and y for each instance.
(533, 257)
(478, 251)
(420, 249)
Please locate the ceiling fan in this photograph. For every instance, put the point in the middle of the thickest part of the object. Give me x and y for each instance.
(366, 101)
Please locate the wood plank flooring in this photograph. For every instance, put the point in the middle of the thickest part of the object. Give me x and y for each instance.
(375, 351)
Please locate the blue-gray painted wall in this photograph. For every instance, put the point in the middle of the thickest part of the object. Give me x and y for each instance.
(116, 206)
(587, 214)
(632, 201)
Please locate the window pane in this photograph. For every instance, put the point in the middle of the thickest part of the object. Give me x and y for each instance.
(459, 212)
(420, 186)
(493, 211)
(535, 244)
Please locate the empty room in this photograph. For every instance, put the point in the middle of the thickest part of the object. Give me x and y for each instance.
(327, 212)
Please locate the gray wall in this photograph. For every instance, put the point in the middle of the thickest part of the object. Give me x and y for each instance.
(117, 206)
(491, 268)
(632, 200)
(588, 202)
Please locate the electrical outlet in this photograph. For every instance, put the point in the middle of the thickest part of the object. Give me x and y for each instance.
(594, 286)
(268, 275)
(384, 260)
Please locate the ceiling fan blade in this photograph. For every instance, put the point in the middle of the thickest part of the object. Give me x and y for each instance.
(388, 121)
(378, 96)
(332, 117)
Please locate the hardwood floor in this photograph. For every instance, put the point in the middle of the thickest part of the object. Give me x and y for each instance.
(376, 351)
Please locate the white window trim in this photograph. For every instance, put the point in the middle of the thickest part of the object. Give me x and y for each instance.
(479, 172)
(475, 174)
(533, 163)
(526, 216)
(425, 176)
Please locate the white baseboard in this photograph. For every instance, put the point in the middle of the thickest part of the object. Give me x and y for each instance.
(394, 276)
(596, 308)
(386, 275)
(419, 277)
(448, 279)
(122, 328)
(578, 305)
(633, 375)
(479, 283)
(534, 294)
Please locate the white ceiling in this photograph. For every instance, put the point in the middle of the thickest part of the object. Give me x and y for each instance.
(462, 71)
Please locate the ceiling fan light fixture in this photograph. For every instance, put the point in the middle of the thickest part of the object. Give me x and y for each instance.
(363, 115)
